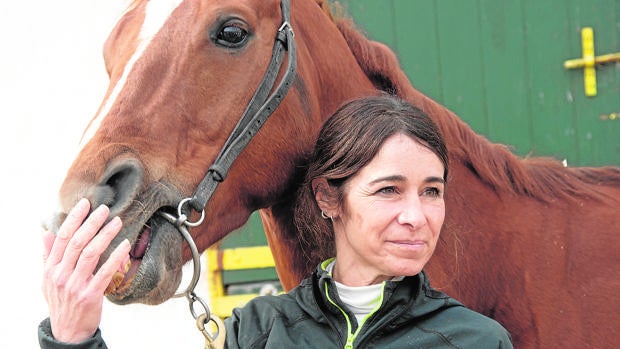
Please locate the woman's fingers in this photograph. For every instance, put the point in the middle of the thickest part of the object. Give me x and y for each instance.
(48, 243)
(74, 295)
(67, 229)
(89, 257)
(71, 257)
(83, 236)
(117, 261)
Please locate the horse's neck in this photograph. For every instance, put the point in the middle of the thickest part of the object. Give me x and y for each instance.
(457, 134)
(381, 66)
(494, 164)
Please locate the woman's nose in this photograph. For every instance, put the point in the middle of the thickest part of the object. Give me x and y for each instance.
(411, 213)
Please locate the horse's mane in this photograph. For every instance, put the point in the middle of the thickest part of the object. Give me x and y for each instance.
(541, 178)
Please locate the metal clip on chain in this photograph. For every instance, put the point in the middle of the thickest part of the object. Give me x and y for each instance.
(216, 340)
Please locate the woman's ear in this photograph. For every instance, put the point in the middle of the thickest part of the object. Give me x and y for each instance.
(322, 195)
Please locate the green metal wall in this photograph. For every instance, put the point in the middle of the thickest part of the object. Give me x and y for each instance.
(499, 66)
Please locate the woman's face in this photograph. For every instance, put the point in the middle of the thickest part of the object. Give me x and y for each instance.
(392, 214)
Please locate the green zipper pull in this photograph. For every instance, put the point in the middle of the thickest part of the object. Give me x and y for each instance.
(349, 344)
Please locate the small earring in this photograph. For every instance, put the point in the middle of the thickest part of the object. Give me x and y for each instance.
(325, 216)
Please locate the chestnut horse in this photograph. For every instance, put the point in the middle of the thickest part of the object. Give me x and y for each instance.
(528, 242)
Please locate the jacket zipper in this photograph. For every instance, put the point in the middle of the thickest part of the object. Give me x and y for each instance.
(351, 336)
(398, 314)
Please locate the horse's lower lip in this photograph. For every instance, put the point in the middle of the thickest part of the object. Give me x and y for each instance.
(131, 273)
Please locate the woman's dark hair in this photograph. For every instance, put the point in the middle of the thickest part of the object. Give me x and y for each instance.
(347, 142)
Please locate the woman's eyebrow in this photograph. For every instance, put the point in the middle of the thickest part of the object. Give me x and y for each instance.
(400, 178)
(434, 179)
(393, 178)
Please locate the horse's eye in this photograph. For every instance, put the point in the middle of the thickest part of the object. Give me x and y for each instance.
(232, 36)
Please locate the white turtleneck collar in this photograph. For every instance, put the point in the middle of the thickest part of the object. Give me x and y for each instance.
(360, 300)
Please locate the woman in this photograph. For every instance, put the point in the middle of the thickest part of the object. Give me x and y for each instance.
(373, 198)
(377, 178)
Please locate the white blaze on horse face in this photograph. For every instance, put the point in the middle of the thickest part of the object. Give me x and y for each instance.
(156, 14)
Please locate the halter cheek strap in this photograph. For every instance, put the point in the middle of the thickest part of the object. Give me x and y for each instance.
(261, 106)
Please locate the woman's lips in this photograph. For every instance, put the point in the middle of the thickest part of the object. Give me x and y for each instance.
(409, 244)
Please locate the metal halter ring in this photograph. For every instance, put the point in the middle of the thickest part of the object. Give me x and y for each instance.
(181, 225)
(185, 221)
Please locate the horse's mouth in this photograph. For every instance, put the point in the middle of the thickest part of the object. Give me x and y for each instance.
(122, 279)
(153, 272)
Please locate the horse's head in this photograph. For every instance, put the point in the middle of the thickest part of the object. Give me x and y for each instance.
(181, 74)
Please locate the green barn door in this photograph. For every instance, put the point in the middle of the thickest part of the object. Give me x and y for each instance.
(499, 66)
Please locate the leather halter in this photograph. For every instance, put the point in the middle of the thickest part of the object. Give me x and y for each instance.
(261, 106)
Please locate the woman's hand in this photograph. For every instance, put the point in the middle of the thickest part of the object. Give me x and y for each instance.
(73, 291)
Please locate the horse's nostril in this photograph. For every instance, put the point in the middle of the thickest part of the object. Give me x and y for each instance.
(105, 196)
(119, 185)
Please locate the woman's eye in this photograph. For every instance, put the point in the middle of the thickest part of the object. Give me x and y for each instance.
(387, 190)
(432, 192)
(231, 36)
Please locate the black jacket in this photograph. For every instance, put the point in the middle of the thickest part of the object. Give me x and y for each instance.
(412, 315)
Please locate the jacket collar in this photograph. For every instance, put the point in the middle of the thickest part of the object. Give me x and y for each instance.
(403, 300)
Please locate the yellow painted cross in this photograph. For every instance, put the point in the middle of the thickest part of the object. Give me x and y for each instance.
(588, 61)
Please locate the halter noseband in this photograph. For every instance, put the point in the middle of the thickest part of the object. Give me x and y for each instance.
(260, 107)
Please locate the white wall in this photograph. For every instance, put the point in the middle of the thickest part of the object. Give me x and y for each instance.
(52, 79)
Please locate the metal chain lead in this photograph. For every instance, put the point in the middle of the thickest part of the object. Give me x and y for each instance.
(205, 317)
